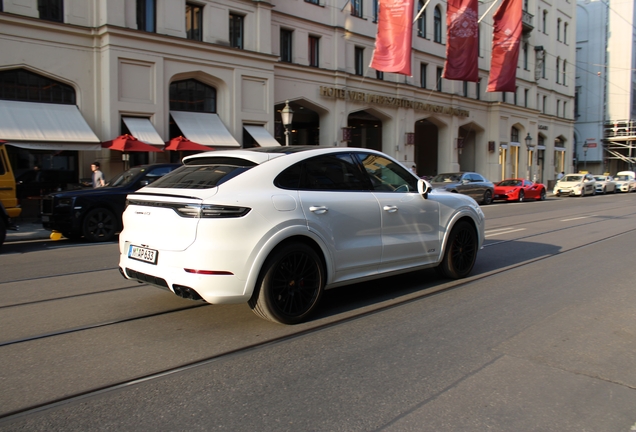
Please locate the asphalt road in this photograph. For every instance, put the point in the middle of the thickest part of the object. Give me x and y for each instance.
(540, 338)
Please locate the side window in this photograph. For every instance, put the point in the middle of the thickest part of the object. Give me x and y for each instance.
(386, 175)
(156, 173)
(334, 172)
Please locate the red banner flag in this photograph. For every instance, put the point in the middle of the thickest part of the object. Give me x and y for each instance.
(505, 46)
(393, 41)
(462, 48)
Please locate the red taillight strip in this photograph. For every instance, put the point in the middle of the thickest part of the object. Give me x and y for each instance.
(209, 272)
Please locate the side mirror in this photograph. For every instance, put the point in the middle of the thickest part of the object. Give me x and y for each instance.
(144, 183)
(424, 187)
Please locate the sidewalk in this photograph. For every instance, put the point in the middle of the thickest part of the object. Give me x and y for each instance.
(28, 230)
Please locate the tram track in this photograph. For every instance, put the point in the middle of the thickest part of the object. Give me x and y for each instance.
(319, 326)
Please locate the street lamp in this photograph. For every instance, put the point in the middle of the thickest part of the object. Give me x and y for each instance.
(286, 115)
(585, 146)
(530, 147)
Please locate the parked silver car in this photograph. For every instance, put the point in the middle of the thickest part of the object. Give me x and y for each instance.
(605, 184)
(467, 183)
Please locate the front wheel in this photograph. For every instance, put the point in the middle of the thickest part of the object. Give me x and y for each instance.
(487, 199)
(521, 196)
(99, 225)
(542, 195)
(290, 285)
(461, 252)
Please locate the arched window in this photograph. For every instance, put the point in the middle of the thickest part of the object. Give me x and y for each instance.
(421, 21)
(23, 85)
(514, 135)
(437, 21)
(192, 95)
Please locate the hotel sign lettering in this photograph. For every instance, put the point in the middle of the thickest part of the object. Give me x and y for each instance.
(376, 99)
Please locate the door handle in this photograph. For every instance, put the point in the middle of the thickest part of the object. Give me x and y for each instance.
(390, 208)
(318, 209)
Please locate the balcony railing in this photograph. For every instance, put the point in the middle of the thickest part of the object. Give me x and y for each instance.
(526, 19)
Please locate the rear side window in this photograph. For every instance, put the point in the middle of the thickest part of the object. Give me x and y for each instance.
(334, 172)
(202, 176)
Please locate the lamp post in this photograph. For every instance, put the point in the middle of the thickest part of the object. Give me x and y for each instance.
(530, 148)
(287, 114)
(585, 156)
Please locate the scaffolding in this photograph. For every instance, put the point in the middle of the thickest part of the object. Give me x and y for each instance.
(619, 144)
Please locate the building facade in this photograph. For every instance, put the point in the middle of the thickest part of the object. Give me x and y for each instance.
(605, 129)
(219, 73)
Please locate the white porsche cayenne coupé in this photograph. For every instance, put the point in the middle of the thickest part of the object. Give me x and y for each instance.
(276, 226)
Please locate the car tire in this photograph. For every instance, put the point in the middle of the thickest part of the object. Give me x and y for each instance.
(487, 199)
(542, 195)
(3, 231)
(461, 252)
(290, 285)
(99, 225)
(594, 192)
(521, 196)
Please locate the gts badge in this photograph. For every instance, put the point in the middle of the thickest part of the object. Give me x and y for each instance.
(146, 213)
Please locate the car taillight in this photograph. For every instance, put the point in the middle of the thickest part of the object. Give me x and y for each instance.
(210, 211)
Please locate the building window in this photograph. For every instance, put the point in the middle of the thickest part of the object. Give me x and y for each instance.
(565, 109)
(356, 8)
(465, 89)
(514, 97)
(565, 33)
(558, 107)
(146, 15)
(564, 74)
(194, 22)
(545, 22)
(503, 96)
(379, 75)
(525, 56)
(478, 89)
(421, 21)
(376, 10)
(316, 2)
(558, 68)
(544, 105)
(286, 45)
(558, 29)
(437, 25)
(525, 98)
(438, 78)
(192, 95)
(314, 51)
(577, 95)
(423, 75)
(514, 135)
(25, 86)
(359, 59)
(51, 10)
(236, 31)
(543, 66)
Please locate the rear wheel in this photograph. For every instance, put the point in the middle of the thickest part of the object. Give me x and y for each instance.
(290, 285)
(460, 253)
(99, 225)
(542, 195)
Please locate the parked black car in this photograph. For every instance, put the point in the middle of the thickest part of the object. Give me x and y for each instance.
(36, 183)
(95, 214)
(467, 183)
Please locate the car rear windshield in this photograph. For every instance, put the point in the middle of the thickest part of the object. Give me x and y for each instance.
(204, 173)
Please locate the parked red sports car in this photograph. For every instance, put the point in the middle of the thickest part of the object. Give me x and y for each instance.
(518, 190)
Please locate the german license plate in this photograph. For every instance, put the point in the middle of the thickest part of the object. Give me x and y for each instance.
(143, 254)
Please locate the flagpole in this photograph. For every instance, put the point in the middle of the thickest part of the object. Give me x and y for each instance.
(485, 13)
(421, 10)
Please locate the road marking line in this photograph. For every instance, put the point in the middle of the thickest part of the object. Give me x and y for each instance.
(577, 218)
(490, 234)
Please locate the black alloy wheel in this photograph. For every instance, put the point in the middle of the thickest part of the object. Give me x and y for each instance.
(290, 286)
(461, 252)
(521, 196)
(542, 195)
(487, 197)
(99, 225)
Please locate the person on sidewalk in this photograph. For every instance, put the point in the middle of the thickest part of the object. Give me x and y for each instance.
(98, 175)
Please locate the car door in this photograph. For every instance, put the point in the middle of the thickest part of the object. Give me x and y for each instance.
(410, 223)
(339, 207)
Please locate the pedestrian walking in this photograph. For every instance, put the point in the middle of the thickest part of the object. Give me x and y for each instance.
(98, 175)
